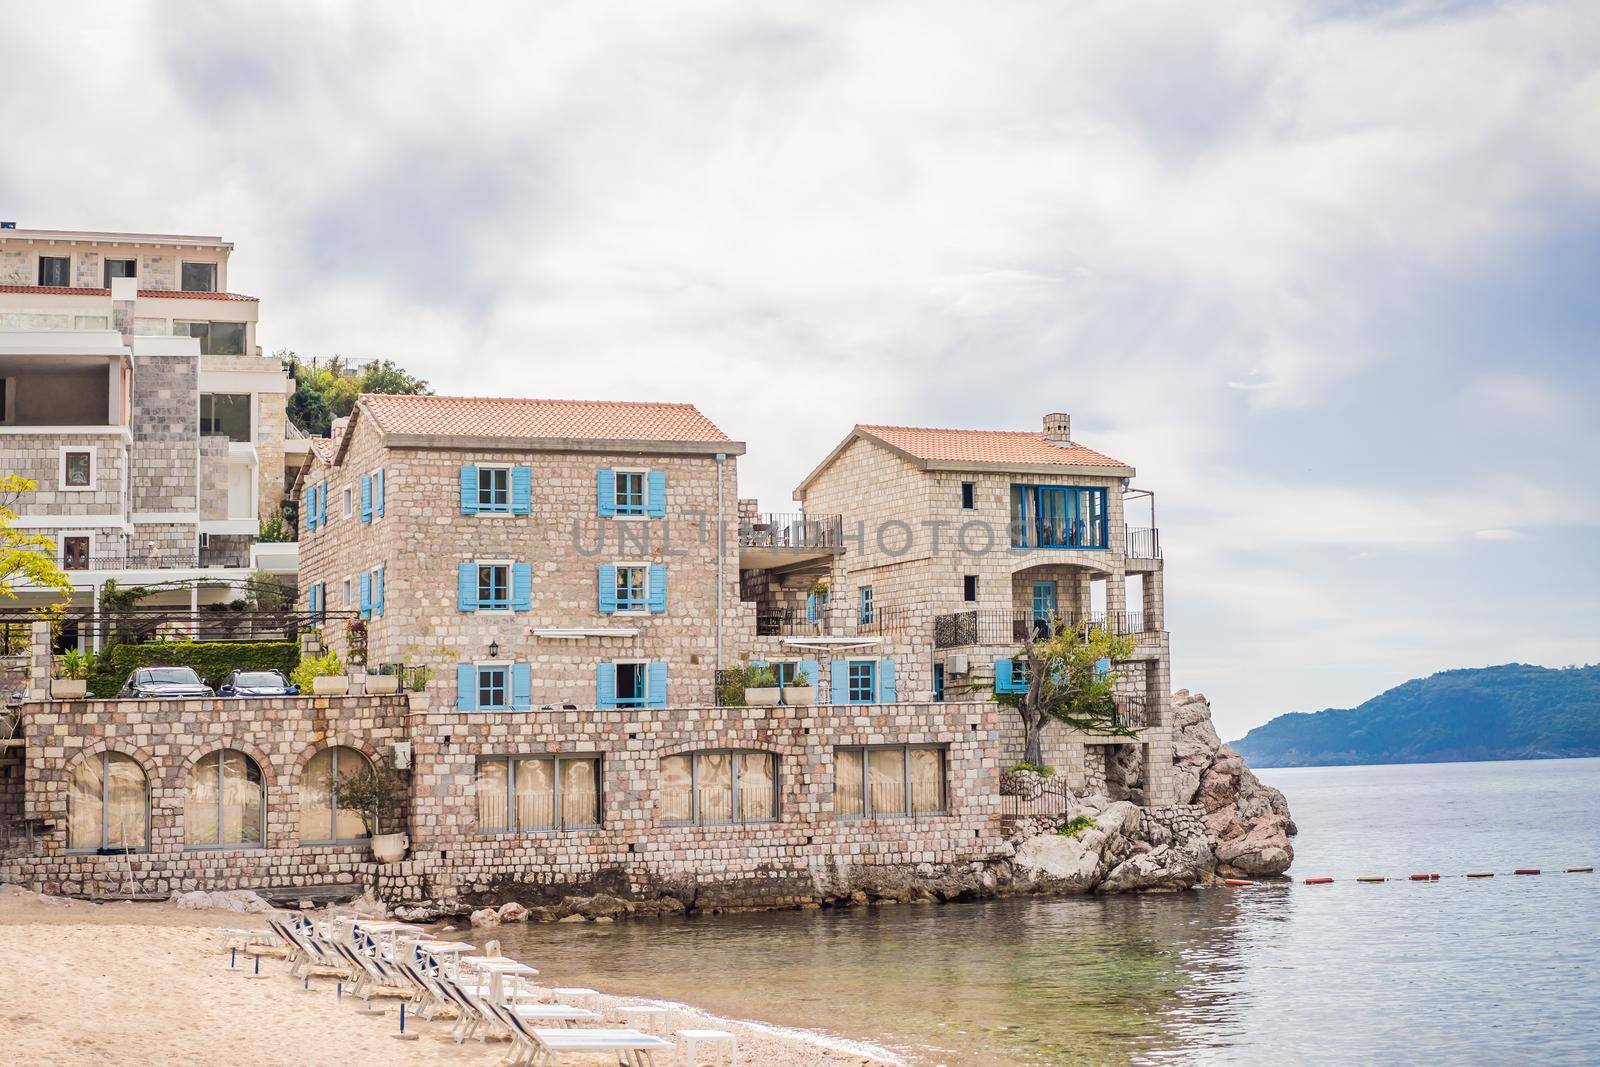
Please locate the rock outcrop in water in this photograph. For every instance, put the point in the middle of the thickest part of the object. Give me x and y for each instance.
(1228, 824)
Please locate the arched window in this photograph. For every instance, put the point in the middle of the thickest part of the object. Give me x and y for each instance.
(321, 817)
(227, 806)
(108, 804)
(719, 786)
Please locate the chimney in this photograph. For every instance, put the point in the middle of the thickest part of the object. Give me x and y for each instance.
(1058, 428)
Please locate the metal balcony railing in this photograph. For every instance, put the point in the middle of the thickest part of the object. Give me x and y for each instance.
(792, 530)
(962, 628)
(210, 622)
(1143, 542)
(145, 560)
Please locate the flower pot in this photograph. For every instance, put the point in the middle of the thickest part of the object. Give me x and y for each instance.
(419, 700)
(382, 684)
(330, 685)
(762, 696)
(68, 688)
(390, 848)
(800, 696)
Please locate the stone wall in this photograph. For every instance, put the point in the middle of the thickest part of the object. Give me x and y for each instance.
(166, 432)
(807, 852)
(38, 458)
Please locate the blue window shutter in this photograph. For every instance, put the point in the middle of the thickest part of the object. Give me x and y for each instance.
(658, 588)
(521, 686)
(656, 691)
(466, 587)
(656, 498)
(366, 498)
(886, 689)
(605, 685)
(840, 670)
(377, 493)
(810, 671)
(522, 587)
(366, 595)
(811, 607)
(1102, 666)
(521, 490)
(608, 589)
(466, 687)
(1003, 677)
(469, 490)
(606, 493)
(309, 512)
(377, 592)
(322, 504)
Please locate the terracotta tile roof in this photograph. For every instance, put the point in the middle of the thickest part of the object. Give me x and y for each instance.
(144, 294)
(1020, 447)
(603, 420)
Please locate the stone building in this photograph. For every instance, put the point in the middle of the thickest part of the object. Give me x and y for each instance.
(132, 391)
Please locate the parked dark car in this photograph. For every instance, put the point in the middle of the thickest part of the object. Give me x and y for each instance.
(164, 683)
(256, 684)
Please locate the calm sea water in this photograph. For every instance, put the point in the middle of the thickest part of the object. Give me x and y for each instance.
(1491, 971)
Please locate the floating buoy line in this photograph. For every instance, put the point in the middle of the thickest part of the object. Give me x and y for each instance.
(1243, 883)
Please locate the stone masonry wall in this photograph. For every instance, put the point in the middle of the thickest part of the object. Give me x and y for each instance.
(166, 432)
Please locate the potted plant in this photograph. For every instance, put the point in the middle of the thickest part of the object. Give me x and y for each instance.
(322, 675)
(379, 793)
(761, 687)
(381, 684)
(799, 692)
(71, 681)
(417, 679)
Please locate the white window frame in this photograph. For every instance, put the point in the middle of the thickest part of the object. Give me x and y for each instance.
(94, 469)
(644, 666)
(511, 585)
(61, 547)
(349, 501)
(216, 275)
(478, 667)
(344, 598)
(373, 477)
(481, 467)
(643, 565)
(644, 493)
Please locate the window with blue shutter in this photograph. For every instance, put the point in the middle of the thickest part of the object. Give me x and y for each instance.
(521, 686)
(366, 498)
(377, 493)
(810, 671)
(1102, 667)
(521, 490)
(494, 688)
(839, 680)
(494, 587)
(605, 685)
(628, 492)
(466, 587)
(658, 495)
(938, 683)
(466, 687)
(309, 512)
(322, 503)
(631, 685)
(494, 491)
(657, 683)
(522, 587)
(469, 490)
(377, 592)
(366, 596)
(862, 682)
(886, 691)
(1010, 676)
(658, 588)
(606, 493)
(606, 585)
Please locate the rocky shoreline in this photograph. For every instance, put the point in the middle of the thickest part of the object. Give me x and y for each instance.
(1229, 826)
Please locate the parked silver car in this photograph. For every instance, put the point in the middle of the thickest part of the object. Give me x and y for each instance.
(164, 683)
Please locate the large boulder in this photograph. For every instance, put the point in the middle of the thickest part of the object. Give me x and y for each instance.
(1249, 823)
(1076, 862)
(485, 917)
(239, 900)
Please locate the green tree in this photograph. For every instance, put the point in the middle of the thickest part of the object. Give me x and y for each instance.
(328, 389)
(1070, 680)
(25, 557)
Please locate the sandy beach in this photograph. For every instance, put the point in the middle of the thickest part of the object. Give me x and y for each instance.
(146, 983)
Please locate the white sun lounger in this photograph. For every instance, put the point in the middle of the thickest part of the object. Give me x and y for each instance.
(629, 1045)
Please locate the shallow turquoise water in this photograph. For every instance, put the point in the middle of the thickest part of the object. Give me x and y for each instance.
(1499, 970)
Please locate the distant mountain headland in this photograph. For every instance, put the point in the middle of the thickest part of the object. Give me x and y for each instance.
(1513, 711)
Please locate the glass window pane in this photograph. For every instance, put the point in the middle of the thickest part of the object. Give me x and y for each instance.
(227, 339)
(127, 814)
(758, 793)
(580, 792)
(714, 784)
(316, 798)
(535, 794)
(225, 415)
(200, 807)
(347, 822)
(847, 794)
(241, 800)
(886, 769)
(491, 789)
(675, 786)
(199, 277)
(77, 468)
(927, 780)
(85, 798)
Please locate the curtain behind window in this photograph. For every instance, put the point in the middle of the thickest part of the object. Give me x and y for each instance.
(580, 792)
(84, 804)
(491, 789)
(127, 815)
(927, 780)
(675, 790)
(886, 775)
(536, 794)
(715, 780)
(847, 794)
(758, 795)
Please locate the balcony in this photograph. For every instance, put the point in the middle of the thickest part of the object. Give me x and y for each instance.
(780, 540)
(887, 621)
(1143, 542)
(1004, 628)
(73, 561)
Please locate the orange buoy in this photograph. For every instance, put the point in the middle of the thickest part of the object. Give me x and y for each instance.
(1237, 881)
(1526, 870)
(1420, 877)
(1319, 881)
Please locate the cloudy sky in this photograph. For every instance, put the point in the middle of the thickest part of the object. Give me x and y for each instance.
(1326, 273)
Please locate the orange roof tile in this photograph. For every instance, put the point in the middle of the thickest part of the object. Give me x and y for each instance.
(1020, 447)
(603, 420)
(144, 294)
